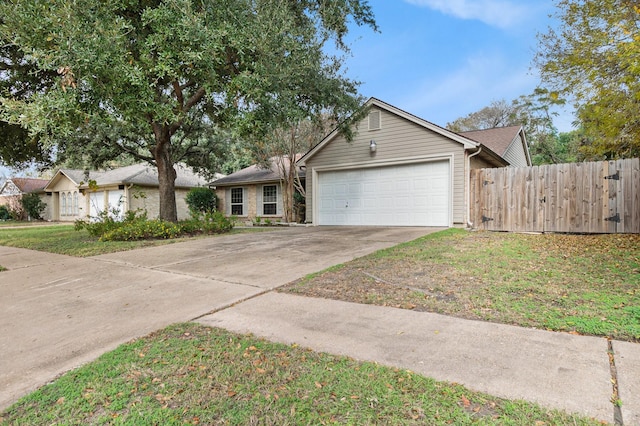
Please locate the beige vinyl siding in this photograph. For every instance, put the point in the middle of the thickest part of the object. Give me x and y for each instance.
(515, 153)
(397, 140)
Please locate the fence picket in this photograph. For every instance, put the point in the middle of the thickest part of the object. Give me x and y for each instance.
(579, 198)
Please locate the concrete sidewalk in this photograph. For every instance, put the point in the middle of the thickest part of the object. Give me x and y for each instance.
(556, 370)
(57, 312)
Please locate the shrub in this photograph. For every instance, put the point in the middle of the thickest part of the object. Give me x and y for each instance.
(201, 200)
(33, 205)
(5, 213)
(142, 229)
(100, 225)
(207, 223)
(136, 226)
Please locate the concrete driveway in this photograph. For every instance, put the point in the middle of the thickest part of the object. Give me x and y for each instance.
(58, 312)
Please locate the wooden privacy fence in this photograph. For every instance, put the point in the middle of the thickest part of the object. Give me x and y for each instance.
(597, 197)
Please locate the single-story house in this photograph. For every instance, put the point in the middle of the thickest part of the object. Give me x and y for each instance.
(13, 189)
(119, 190)
(401, 170)
(255, 191)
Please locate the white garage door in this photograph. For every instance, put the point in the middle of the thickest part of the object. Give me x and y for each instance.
(406, 195)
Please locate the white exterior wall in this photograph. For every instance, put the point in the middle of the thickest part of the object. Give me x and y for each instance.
(398, 140)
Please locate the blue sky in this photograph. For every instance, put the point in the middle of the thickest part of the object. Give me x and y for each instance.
(443, 59)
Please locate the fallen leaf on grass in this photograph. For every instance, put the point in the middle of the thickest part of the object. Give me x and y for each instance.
(465, 401)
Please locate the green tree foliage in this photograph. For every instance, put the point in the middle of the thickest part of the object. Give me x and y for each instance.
(201, 200)
(5, 213)
(282, 148)
(159, 79)
(593, 58)
(535, 113)
(20, 79)
(33, 205)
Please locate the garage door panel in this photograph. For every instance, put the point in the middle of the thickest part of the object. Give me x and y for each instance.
(408, 195)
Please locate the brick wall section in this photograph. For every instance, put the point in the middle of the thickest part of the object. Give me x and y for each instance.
(149, 199)
(251, 202)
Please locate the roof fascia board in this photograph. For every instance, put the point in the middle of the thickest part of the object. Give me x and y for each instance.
(242, 183)
(57, 177)
(467, 143)
(498, 159)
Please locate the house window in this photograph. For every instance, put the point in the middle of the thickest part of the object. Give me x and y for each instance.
(269, 200)
(75, 203)
(237, 201)
(63, 204)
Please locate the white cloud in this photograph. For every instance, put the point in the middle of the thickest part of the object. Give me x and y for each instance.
(483, 78)
(497, 13)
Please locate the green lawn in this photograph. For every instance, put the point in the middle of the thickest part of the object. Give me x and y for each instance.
(191, 374)
(587, 284)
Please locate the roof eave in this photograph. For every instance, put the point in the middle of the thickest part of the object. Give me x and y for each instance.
(245, 182)
(466, 142)
(498, 160)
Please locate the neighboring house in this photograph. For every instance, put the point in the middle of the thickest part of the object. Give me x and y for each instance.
(118, 191)
(14, 188)
(255, 191)
(401, 170)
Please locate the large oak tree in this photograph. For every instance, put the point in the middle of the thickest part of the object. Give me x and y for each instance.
(158, 79)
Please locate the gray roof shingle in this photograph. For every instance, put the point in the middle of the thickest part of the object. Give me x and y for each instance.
(254, 174)
(142, 174)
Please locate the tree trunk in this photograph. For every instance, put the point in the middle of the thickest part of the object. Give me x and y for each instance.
(166, 174)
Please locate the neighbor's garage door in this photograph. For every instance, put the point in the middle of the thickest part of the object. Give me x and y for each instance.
(407, 195)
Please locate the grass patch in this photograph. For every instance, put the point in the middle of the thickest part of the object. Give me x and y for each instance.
(191, 374)
(5, 223)
(587, 284)
(63, 239)
(2, 268)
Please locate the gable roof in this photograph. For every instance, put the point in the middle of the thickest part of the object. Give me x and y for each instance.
(497, 139)
(142, 174)
(374, 102)
(26, 185)
(256, 174)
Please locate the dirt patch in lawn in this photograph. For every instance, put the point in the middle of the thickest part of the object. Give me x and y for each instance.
(587, 284)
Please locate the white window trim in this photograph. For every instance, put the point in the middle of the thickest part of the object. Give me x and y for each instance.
(245, 213)
(262, 202)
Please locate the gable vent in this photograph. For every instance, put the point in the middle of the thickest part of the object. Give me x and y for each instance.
(374, 120)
